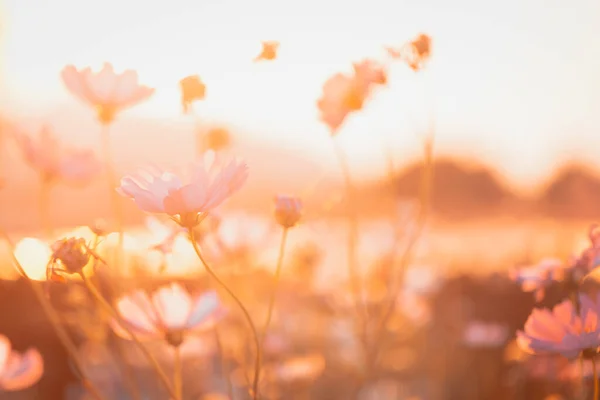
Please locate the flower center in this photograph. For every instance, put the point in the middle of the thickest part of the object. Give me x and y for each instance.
(174, 337)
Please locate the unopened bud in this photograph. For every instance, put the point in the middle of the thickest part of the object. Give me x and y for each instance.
(288, 210)
(72, 253)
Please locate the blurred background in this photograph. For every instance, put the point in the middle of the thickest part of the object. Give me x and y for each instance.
(511, 94)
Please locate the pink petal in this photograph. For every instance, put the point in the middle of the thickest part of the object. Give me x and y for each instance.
(23, 371)
(5, 349)
(204, 307)
(173, 306)
(137, 310)
(75, 83)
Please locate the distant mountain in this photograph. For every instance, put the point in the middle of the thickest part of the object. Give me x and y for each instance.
(573, 192)
(459, 189)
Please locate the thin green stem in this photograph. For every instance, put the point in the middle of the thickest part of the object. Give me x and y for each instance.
(111, 177)
(177, 375)
(54, 319)
(595, 371)
(255, 388)
(114, 314)
(275, 286)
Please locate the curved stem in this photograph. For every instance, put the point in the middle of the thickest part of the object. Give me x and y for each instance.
(210, 271)
(276, 286)
(352, 224)
(177, 375)
(54, 319)
(112, 185)
(114, 314)
(45, 219)
(595, 370)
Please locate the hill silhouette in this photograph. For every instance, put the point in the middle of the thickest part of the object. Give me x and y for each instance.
(573, 192)
(468, 189)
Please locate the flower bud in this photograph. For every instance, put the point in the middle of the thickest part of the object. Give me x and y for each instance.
(72, 253)
(288, 210)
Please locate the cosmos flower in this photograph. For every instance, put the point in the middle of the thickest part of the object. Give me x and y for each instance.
(55, 163)
(268, 52)
(415, 53)
(344, 94)
(563, 331)
(157, 191)
(18, 371)
(192, 89)
(106, 91)
(168, 314)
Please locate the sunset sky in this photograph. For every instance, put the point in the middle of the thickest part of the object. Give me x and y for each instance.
(515, 82)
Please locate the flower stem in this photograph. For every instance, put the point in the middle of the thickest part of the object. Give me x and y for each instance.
(112, 185)
(114, 314)
(54, 319)
(276, 286)
(352, 224)
(255, 389)
(224, 369)
(45, 219)
(177, 375)
(595, 371)
(129, 378)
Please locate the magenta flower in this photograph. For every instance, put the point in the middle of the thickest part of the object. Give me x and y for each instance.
(157, 191)
(563, 331)
(18, 371)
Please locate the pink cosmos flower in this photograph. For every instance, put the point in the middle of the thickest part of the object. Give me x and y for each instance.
(53, 162)
(168, 314)
(157, 191)
(18, 371)
(342, 94)
(563, 331)
(107, 91)
(537, 277)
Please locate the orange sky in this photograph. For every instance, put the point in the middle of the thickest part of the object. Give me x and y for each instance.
(514, 82)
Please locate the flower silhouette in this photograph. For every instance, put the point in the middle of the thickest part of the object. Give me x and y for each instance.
(157, 191)
(18, 371)
(168, 314)
(107, 91)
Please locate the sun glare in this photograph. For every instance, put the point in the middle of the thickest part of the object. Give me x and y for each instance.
(33, 255)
